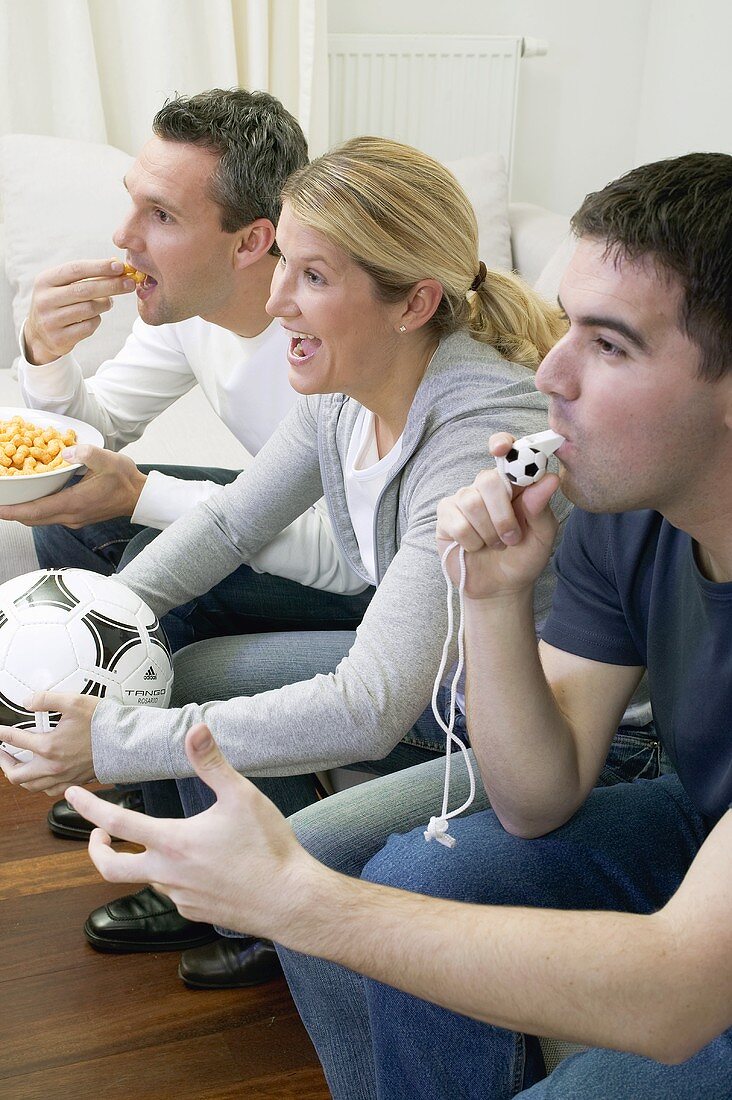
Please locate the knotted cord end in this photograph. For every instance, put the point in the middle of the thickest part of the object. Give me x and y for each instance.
(437, 830)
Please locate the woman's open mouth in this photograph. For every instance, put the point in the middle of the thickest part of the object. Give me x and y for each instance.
(303, 346)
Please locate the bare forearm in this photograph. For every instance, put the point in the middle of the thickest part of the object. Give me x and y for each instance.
(521, 740)
(658, 985)
(604, 979)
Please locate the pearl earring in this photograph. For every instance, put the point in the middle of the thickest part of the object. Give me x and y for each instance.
(402, 328)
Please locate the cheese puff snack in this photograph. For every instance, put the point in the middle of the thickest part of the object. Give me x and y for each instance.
(132, 273)
(27, 449)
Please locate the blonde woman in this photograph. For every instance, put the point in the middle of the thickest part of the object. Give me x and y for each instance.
(409, 352)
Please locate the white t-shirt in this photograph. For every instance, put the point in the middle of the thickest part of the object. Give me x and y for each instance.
(365, 476)
(244, 379)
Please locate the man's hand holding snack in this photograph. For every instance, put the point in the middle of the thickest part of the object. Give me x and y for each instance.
(508, 539)
(61, 755)
(68, 303)
(264, 876)
(110, 487)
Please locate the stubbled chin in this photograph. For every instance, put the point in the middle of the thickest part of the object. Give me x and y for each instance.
(154, 313)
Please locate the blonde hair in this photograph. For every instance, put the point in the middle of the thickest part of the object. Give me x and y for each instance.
(403, 217)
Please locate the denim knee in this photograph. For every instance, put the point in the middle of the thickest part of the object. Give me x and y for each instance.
(615, 1075)
(317, 834)
(192, 676)
(340, 839)
(595, 860)
(488, 865)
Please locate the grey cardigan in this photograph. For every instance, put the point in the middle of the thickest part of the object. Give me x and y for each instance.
(365, 707)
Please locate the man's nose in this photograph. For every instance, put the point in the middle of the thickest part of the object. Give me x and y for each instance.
(557, 373)
(126, 236)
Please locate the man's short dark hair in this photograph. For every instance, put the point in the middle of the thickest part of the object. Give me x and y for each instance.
(679, 214)
(259, 144)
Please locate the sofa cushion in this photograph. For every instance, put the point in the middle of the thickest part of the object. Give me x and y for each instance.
(485, 182)
(551, 275)
(536, 233)
(62, 200)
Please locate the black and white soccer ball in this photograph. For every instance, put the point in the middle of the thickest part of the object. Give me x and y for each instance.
(524, 464)
(72, 630)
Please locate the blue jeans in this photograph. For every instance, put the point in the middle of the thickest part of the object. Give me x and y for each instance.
(627, 850)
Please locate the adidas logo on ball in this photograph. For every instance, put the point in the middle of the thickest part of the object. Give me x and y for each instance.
(151, 674)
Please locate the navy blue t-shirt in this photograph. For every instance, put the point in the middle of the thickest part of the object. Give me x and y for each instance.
(629, 592)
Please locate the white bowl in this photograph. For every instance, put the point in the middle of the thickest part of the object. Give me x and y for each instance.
(24, 487)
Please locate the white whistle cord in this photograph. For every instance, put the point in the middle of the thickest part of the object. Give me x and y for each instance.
(438, 826)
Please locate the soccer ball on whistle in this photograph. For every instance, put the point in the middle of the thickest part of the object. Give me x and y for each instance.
(71, 630)
(523, 465)
(528, 459)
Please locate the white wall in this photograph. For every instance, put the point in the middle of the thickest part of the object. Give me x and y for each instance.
(686, 95)
(600, 101)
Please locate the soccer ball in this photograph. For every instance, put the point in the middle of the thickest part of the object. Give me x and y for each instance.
(524, 464)
(72, 630)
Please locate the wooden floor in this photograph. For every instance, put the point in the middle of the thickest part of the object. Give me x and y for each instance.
(77, 1023)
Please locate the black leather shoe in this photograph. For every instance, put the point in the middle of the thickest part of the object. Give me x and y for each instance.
(63, 819)
(230, 963)
(146, 921)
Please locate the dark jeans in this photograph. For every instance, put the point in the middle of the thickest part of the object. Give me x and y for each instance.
(635, 842)
(626, 850)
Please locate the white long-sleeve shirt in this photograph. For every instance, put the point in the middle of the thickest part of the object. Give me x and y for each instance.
(244, 379)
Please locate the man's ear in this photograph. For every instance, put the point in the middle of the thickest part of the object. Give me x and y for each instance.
(422, 301)
(253, 242)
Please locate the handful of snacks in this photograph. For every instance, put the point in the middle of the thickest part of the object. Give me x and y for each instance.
(27, 449)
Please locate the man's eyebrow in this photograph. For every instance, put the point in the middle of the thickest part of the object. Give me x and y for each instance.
(153, 200)
(592, 320)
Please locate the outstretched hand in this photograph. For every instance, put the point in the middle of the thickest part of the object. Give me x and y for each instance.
(508, 540)
(238, 864)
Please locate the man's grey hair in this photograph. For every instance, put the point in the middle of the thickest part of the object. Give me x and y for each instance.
(259, 145)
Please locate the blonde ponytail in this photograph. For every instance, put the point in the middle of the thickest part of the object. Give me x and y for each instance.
(507, 314)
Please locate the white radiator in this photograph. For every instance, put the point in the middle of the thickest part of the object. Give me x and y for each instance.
(450, 95)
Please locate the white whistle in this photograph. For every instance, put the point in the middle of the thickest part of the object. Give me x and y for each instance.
(526, 462)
